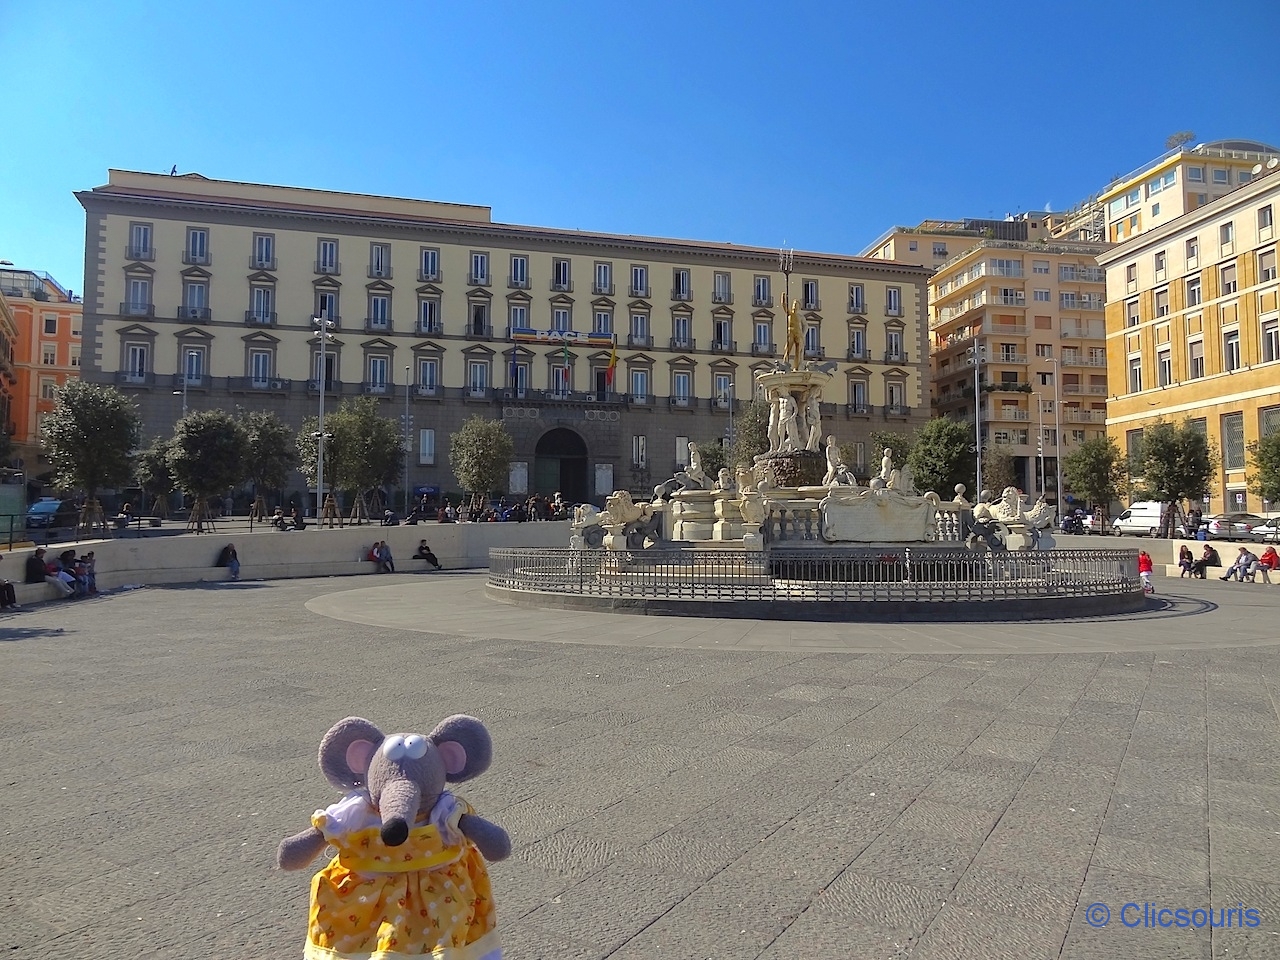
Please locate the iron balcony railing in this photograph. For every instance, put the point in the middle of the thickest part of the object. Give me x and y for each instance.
(328, 267)
(640, 341)
(140, 253)
(763, 349)
(131, 309)
(933, 574)
(262, 263)
(197, 259)
(683, 343)
(256, 319)
(198, 314)
(724, 346)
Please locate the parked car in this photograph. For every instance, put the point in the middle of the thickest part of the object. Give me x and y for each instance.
(49, 512)
(1142, 519)
(1266, 532)
(1231, 526)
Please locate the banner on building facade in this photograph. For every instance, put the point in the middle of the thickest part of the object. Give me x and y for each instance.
(567, 337)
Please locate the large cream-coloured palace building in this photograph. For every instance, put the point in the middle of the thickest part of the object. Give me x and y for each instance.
(1193, 329)
(212, 285)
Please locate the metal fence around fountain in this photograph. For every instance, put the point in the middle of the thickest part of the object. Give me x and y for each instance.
(895, 574)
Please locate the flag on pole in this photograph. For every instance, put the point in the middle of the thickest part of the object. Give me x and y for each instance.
(515, 370)
(566, 358)
(613, 365)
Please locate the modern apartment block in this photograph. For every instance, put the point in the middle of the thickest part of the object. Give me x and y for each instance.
(1175, 183)
(1035, 311)
(212, 285)
(46, 354)
(1193, 328)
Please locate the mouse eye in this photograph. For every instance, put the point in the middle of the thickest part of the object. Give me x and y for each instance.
(415, 746)
(393, 749)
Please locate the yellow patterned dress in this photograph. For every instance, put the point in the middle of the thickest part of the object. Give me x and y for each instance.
(427, 898)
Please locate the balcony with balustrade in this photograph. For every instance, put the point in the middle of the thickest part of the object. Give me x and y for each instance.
(763, 349)
(1076, 415)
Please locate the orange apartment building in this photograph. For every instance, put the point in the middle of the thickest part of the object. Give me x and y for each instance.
(46, 353)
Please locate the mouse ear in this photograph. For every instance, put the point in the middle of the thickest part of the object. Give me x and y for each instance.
(464, 746)
(347, 749)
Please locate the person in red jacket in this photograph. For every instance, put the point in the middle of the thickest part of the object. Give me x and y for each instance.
(1144, 571)
(1267, 562)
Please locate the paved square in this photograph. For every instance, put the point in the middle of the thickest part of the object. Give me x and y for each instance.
(674, 788)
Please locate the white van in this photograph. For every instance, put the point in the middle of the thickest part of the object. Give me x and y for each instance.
(1142, 519)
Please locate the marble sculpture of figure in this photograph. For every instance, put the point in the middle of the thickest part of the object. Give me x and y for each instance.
(813, 418)
(789, 424)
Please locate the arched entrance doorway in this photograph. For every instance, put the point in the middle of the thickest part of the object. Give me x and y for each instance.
(560, 463)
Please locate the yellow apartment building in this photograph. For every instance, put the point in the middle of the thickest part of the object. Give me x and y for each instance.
(211, 286)
(1193, 328)
(1160, 191)
(934, 242)
(1034, 310)
(8, 372)
(46, 355)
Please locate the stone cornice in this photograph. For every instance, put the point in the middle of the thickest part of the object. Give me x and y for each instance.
(205, 210)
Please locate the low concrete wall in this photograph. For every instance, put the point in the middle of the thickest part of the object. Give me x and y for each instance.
(272, 555)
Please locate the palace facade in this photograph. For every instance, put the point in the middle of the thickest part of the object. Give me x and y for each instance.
(603, 354)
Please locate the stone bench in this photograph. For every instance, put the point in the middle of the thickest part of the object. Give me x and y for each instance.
(27, 593)
(1173, 570)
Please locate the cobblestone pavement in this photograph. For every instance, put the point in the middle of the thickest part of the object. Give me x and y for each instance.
(926, 797)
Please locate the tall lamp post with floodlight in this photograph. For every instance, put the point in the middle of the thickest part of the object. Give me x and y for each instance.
(187, 365)
(976, 356)
(408, 422)
(323, 326)
(1057, 435)
(1040, 435)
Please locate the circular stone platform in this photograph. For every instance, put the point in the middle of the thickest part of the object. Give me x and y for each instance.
(919, 583)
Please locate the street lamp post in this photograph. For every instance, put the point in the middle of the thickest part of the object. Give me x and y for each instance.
(186, 378)
(408, 368)
(323, 326)
(1040, 435)
(975, 358)
(1057, 435)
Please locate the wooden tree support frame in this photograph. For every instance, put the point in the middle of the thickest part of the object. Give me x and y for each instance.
(91, 518)
(330, 512)
(201, 517)
(259, 509)
(359, 510)
(160, 508)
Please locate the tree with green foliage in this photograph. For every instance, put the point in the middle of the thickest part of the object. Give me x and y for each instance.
(901, 442)
(271, 452)
(998, 468)
(207, 453)
(371, 446)
(90, 437)
(1175, 463)
(750, 434)
(308, 448)
(1098, 471)
(1175, 140)
(480, 456)
(1264, 459)
(941, 457)
(714, 457)
(154, 473)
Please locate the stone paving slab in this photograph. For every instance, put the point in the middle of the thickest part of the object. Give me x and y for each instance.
(684, 789)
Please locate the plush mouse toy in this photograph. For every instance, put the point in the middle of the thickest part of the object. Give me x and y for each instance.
(409, 879)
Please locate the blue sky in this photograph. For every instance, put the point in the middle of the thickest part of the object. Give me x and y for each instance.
(815, 124)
